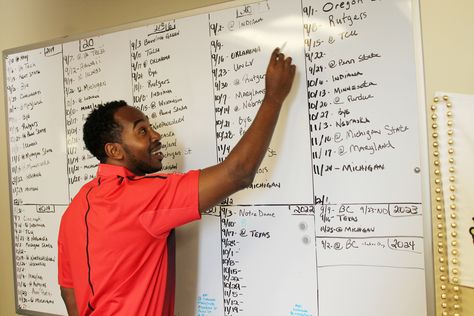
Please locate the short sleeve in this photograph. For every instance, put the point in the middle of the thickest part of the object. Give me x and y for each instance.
(178, 204)
(64, 267)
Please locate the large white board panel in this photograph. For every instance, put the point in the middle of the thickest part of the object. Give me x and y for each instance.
(333, 224)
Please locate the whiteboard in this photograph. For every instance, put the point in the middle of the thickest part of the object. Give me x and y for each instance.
(334, 223)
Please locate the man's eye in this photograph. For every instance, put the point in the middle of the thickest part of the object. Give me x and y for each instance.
(142, 131)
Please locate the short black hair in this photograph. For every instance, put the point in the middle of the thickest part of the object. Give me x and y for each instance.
(100, 128)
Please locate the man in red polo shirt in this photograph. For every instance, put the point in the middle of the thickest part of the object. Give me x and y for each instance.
(115, 236)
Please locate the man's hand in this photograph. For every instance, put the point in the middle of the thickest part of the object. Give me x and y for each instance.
(279, 77)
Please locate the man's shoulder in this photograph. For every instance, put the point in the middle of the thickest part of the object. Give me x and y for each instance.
(167, 176)
(81, 194)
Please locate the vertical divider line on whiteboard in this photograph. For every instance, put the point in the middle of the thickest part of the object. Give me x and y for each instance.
(424, 160)
(131, 70)
(213, 87)
(7, 133)
(65, 125)
(312, 161)
(217, 154)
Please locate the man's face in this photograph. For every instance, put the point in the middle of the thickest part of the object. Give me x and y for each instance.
(140, 142)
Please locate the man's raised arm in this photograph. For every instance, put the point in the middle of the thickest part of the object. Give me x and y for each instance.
(238, 170)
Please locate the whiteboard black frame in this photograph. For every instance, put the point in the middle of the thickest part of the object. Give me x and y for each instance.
(422, 121)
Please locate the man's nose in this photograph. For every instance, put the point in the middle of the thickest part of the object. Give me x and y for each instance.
(156, 135)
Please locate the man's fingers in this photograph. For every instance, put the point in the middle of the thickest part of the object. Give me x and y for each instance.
(278, 58)
(293, 70)
(275, 53)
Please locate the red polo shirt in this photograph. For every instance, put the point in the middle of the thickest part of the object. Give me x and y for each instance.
(114, 241)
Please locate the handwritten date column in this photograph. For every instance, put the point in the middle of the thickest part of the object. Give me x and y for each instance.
(255, 241)
(239, 81)
(238, 92)
(35, 137)
(362, 106)
(34, 98)
(84, 83)
(248, 233)
(170, 86)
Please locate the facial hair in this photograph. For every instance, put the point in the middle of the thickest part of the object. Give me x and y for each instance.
(139, 167)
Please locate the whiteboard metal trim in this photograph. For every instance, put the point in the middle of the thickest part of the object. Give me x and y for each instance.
(424, 159)
(12, 226)
(130, 25)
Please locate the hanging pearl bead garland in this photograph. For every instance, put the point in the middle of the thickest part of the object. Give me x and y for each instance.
(449, 288)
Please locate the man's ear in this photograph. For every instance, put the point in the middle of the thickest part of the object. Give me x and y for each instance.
(114, 151)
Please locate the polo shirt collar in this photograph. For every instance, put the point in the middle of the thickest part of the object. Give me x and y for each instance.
(105, 170)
